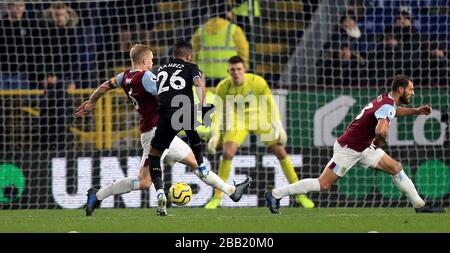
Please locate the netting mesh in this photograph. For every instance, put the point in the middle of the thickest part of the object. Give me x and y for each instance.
(324, 59)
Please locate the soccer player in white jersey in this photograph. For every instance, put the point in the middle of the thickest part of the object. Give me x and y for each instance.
(362, 143)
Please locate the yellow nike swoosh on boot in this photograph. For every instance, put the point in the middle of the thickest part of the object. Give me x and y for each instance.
(304, 201)
(213, 203)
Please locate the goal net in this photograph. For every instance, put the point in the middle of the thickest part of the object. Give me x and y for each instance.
(323, 60)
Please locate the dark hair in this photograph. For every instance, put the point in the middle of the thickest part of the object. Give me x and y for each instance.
(235, 59)
(182, 48)
(400, 81)
(343, 18)
(344, 45)
(404, 14)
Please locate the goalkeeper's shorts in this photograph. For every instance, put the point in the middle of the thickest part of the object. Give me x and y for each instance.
(239, 136)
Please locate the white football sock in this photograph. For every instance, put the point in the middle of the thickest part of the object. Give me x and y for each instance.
(215, 181)
(121, 186)
(405, 185)
(300, 187)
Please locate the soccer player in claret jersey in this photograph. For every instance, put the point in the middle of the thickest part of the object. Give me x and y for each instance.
(176, 109)
(362, 143)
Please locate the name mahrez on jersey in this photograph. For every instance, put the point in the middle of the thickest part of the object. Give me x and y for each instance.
(171, 65)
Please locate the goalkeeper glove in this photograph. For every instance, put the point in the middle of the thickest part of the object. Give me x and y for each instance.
(213, 142)
(279, 133)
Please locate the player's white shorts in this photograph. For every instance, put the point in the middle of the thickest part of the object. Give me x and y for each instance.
(345, 158)
(176, 152)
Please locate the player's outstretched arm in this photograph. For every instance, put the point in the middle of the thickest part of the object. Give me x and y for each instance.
(88, 105)
(421, 110)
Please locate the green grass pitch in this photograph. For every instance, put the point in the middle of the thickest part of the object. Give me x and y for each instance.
(228, 220)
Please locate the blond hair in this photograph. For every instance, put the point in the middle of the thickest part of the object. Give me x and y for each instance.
(138, 52)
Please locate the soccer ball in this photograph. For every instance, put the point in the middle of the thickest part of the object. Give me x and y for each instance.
(180, 194)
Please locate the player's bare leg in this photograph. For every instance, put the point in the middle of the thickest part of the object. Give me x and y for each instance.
(145, 180)
(405, 185)
(327, 179)
(323, 183)
(288, 169)
(190, 161)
